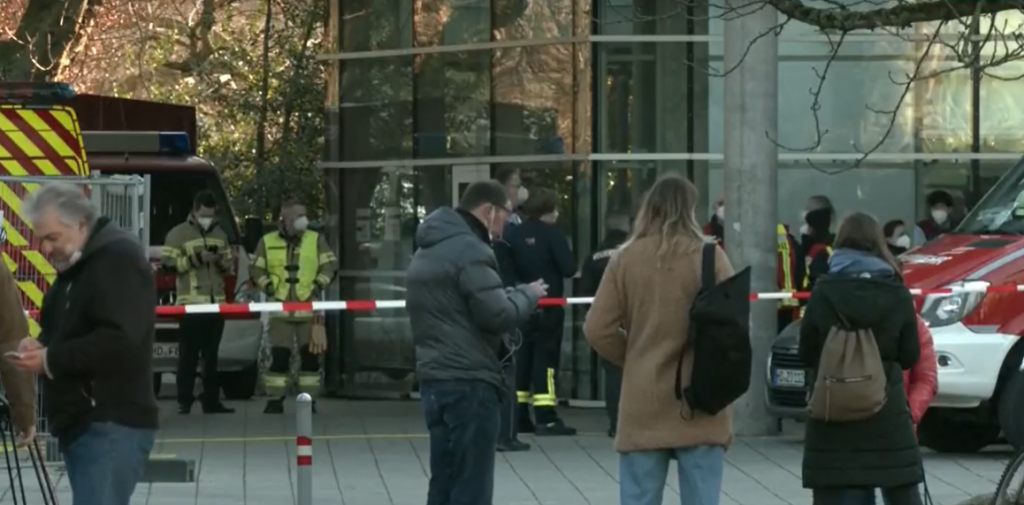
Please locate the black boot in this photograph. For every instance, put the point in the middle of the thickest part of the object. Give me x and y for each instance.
(184, 408)
(513, 446)
(217, 408)
(274, 406)
(556, 428)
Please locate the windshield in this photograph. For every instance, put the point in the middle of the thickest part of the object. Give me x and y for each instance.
(1002, 209)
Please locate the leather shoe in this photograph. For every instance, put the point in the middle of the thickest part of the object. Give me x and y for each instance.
(513, 446)
(219, 408)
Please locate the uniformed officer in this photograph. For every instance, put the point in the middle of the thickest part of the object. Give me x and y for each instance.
(590, 278)
(197, 251)
(541, 251)
(293, 264)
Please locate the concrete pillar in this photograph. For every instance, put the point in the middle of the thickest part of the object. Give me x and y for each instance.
(751, 185)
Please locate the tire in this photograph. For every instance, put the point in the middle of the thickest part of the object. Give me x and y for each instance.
(240, 385)
(1008, 488)
(944, 431)
(1011, 410)
(158, 379)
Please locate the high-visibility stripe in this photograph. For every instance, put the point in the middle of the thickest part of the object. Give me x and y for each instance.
(32, 142)
(523, 396)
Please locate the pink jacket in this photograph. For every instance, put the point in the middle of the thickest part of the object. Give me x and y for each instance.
(922, 381)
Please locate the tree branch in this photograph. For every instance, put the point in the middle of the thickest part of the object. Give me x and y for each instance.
(903, 15)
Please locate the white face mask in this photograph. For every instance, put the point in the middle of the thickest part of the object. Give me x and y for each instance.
(301, 224)
(204, 222)
(903, 241)
(940, 215)
(720, 212)
(522, 194)
(805, 229)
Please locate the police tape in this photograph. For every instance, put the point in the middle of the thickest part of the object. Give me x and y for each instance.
(374, 305)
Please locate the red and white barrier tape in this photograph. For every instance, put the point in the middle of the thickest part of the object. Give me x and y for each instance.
(374, 305)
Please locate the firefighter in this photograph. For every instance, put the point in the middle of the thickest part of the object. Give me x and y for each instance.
(790, 270)
(816, 239)
(541, 251)
(197, 251)
(293, 264)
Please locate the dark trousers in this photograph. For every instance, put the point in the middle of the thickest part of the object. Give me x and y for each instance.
(199, 335)
(904, 495)
(612, 392)
(462, 419)
(537, 360)
(509, 411)
(786, 317)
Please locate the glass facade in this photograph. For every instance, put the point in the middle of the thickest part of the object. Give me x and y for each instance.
(596, 99)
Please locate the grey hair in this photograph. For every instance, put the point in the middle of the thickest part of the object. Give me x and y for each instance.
(69, 201)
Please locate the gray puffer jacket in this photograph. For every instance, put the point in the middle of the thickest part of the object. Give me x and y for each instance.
(457, 305)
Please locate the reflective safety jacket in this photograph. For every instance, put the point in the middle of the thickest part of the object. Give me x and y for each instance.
(788, 273)
(197, 282)
(293, 269)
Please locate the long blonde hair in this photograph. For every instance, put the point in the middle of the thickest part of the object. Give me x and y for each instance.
(667, 212)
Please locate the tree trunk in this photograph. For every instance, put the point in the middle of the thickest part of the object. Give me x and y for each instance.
(300, 67)
(48, 35)
(261, 124)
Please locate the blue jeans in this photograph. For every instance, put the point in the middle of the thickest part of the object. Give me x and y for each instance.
(642, 475)
(105, 462)
(462, 419)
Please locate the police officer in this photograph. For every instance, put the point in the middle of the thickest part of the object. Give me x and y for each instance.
(590, 278)
(541, 251)
(293, 264)
(197, 251)
(508, 436)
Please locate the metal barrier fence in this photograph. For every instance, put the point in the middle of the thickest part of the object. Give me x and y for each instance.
(123, 199)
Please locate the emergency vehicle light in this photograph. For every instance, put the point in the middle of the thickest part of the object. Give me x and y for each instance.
(167, 143)
(35, 91)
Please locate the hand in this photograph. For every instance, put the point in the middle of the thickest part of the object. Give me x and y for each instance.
(29, 344)
(25, 437)
(318, 340)
(538, 287)
(31, 361)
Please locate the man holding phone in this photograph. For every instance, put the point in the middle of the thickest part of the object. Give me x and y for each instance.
(198, 252)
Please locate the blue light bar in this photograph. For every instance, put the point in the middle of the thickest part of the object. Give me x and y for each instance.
(175, 143)
(36, 92)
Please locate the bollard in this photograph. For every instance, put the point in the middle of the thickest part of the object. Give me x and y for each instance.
(304, 448)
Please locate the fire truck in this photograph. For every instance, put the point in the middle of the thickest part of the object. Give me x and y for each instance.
(141, 177)
(980, 399)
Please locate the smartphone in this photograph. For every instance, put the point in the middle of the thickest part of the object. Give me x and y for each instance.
(13, 355)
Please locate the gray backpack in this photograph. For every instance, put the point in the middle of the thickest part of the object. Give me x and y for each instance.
(851, 382)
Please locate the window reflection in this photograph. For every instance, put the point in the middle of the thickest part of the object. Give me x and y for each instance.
(369, 25)
(453, 97)
(526, 19)
(533, 99)
(376, 109)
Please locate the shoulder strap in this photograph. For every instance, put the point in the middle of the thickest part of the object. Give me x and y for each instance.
(707, 267)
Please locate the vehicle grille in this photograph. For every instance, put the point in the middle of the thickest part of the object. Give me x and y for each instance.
(787, 397)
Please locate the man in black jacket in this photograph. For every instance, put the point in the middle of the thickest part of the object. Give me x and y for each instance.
(96, 346)
(460, 312)
(590, 278)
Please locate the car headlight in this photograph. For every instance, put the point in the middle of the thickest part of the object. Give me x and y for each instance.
(944, 310)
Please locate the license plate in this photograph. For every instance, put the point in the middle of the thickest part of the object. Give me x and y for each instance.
(789, 378)
(165, 350)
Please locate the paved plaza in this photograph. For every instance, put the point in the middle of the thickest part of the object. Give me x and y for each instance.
(376, 453)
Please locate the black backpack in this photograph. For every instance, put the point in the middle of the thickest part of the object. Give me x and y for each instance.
(719, 337)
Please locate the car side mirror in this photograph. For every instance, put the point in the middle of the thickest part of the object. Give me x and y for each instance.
(252, 232)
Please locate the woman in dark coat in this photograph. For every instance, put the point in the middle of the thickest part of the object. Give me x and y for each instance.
(863, 284)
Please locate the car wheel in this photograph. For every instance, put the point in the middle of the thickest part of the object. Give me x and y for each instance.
(240, 385)
(158, 379)
(945, 431)
(1011, 410)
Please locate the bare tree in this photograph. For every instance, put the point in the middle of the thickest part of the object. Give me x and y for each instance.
(48, 36)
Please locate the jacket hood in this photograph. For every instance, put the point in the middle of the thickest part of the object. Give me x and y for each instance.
(863, 301)
(854, 262)
(441, 225)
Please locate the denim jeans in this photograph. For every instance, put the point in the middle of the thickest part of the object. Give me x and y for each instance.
(509, 407)
(642, 475)
(462, 419)
(105, 462)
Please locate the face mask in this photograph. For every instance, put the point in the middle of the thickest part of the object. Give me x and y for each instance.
(300, 224)
(491, 216)
(903, 241)
(720, 212)
(204, 222)
(940, 216)
(805, 230)
(522, 194)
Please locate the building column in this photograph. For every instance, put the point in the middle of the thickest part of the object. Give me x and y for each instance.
(751, 186)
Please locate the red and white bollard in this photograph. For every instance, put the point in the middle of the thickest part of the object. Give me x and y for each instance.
(304, 449)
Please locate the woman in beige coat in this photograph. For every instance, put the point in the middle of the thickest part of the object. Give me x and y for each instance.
(639, 321)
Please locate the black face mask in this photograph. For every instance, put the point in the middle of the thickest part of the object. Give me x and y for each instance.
(819, 220)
